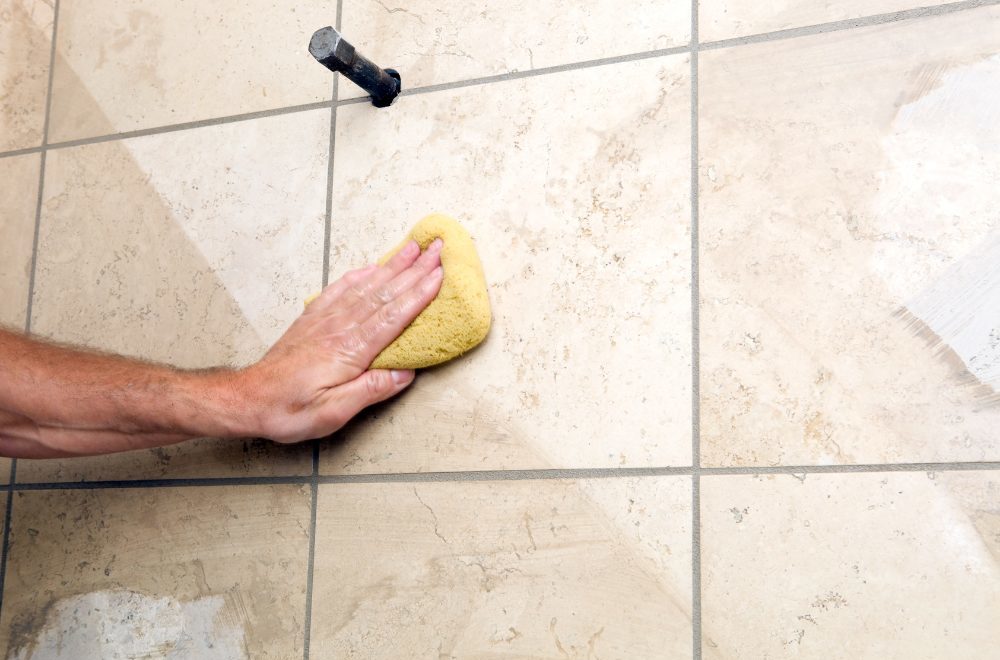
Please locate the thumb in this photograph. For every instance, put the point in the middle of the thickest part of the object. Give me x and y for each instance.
(371, 387)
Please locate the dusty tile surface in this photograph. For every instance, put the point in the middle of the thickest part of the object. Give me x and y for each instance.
(579, 210)
(723, 19)
(173, 572)
(18, 199)
(125, 65)
(504, 569)
(195, 248)
(25, 51)
(853, 566)
(849, 235)
(435, 42)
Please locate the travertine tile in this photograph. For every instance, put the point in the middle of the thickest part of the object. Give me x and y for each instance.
(849, 296)
(723, 19)
(579, 208)
(126, 65)
(851, 566)
(18, 199)
(437, 42)
(215, 573)
(25, 50)
(523, 569)
(196, 248)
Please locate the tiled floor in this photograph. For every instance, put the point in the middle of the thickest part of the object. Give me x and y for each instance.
(741, 398)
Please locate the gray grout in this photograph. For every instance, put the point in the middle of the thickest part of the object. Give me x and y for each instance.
(6, 529)
(310, 568)
(819, 28)
(695, 354)
(575, 474)
(41, 169)
(314, 478)
(850, 24)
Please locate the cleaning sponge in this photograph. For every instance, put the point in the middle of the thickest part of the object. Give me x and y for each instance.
(459, 318)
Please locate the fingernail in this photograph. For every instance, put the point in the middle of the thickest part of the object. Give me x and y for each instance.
(411, 248)
(400, 376)
(436, 245)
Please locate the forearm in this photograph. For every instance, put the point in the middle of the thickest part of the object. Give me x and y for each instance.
(83, 402)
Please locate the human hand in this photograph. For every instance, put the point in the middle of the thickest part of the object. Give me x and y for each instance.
(316, 377)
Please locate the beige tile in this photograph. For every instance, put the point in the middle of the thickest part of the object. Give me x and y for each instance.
(25, 51)
(849, 298)
(127, 65)
(553, 569)
(435, 42)
(851, 566)
(723, 19)
(579, 209)
(194, 248)
(18, 200)
(213, 573)
(4, 470)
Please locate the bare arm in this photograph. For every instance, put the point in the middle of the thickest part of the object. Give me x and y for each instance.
(62, 401)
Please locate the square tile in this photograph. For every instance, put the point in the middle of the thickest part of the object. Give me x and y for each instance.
(194, 248)
(579, 208)
(518, 569)
(436, 42)
(126, 65)
(5, 470)
(18, 200)
(212, 573)
(849, 236)
(724, 19)
(25, 51)
(892, 565)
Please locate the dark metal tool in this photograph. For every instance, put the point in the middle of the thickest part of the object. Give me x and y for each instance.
(332, 51)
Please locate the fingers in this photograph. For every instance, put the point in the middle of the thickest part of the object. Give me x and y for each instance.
(326, 299)
(362, 297)
(370, 387)
(391, 319)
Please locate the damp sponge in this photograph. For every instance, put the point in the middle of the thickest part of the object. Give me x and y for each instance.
(458, 319)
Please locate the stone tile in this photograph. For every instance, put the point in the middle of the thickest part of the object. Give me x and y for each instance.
(580, 211)
(849, 298)
(125, 65)
(18, 200)
(25, 51)
(597, 568)
(4, 470)
(436, 42)
(194, 248)
(892, 565)
(724, 19)
(173, 572)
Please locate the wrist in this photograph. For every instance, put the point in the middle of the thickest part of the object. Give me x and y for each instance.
(217, 404)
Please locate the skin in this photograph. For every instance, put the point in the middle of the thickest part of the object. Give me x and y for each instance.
(58, 401)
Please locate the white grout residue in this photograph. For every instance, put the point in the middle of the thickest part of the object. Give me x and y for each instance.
(962, 307)
(936, 220)
(122, 625)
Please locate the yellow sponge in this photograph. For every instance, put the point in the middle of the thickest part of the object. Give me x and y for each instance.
(459, 318)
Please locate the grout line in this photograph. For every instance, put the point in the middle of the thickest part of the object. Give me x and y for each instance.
(41, 170)
(314, 478)
(696, 635)
(819, 28)
(6, 530)
(201, 123)
(850, 24)
(21, 152)
(310, 568)
(515, 475)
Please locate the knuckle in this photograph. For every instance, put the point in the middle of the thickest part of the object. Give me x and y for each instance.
(389, 315)
(384, 294)
(376, 383)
